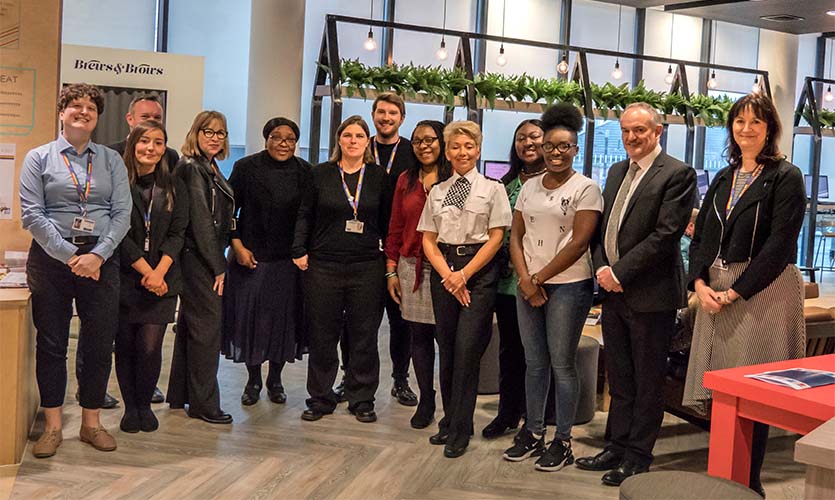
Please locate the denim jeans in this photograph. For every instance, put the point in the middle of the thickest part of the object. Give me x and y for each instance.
(550, 335)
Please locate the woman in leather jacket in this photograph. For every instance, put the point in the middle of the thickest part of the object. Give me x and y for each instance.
(193, 379)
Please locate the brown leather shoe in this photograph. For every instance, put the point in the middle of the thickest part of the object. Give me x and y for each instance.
(47, 444)
(98, 437)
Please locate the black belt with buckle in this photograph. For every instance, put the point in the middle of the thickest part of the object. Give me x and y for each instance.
(459, 250)
(83, 240)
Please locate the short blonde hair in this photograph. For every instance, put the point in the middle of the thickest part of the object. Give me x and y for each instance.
(367, 156)
(202, 120)
(463, 127)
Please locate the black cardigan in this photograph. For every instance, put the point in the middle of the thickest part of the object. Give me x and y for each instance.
(775, 202)
(167, 232)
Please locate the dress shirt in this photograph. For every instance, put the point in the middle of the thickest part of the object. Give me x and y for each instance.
(49, 201)
(486, 208)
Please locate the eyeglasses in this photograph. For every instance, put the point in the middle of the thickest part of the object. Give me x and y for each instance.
(209, 133)
(562, 147)
(290, 141)
(426, 141)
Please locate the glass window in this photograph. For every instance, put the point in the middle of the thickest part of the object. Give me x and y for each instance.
(595, 25)
(117, 25)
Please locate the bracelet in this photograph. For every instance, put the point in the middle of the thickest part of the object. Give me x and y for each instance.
(463, 275)
(392, 274)
(727, 298)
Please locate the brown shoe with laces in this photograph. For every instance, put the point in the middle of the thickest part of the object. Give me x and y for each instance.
(47, 444)
(98, 438)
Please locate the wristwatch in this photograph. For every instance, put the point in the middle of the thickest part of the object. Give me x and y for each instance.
(535, 280)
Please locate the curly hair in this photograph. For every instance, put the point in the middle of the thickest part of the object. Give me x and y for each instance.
(75, 91)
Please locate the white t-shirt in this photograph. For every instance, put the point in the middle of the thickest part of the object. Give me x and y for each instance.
(549, 222)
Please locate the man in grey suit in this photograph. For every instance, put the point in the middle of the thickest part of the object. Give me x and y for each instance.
(647, 204)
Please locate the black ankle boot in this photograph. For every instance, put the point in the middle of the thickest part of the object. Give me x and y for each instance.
(425, 412)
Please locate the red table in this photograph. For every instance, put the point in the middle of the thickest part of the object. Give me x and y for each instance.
(739, 401)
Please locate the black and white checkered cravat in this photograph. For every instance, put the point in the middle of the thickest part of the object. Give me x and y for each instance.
(457, 194)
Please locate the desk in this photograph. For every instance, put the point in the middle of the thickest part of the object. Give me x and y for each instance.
(739, 401)
(18, 389)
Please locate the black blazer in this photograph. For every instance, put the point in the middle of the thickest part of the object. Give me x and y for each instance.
(650, 268)
(211, 208)
(167, 234)
(763, 226)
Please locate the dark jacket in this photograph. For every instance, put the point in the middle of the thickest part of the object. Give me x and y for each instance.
(763, 226)
(211, 205)
(167, 235)
(650, 268)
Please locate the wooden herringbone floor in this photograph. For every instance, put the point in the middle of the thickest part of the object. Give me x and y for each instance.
(269, 452)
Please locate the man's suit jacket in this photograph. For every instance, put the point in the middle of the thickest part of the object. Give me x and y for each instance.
(650, 268)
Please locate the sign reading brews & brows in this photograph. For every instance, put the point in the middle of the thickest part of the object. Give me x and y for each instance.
(117, 68)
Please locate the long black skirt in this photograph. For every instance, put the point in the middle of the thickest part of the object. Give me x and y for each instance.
(263, 313)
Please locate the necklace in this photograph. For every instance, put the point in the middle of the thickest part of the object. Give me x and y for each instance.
(527, 175)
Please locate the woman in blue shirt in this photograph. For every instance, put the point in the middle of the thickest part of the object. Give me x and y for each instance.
(75, 200)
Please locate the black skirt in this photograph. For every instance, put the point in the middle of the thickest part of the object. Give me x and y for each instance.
(263, 313)
(139, 306)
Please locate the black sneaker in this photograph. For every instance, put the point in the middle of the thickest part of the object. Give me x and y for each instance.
(404, 393)
(524, 445)
(557, 456)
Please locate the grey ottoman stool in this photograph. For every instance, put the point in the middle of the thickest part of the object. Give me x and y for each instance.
(664, 485)
(587, 355)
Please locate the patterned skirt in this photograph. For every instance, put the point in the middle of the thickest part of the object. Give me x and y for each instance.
(415, 306)
(767, 327)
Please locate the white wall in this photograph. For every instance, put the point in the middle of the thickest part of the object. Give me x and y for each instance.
(109, 23)
(220, 33)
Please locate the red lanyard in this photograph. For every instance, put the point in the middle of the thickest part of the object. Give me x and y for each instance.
(732, 199)
(391, 158)
(83, 194)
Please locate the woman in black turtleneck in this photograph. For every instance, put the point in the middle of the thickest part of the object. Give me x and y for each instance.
(262, 305)
(150, 273)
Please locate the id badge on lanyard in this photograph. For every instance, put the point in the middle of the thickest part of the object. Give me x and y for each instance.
(354, 225)
(147, 246)
(82, 223)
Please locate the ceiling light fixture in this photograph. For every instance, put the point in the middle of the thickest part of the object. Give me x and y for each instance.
(370, 44)
(442, 53)
(828, 97)
(757, 87)
(668, 79)
(617, 73)
(502, 59)
(562, 67)
(830, 12)
(713, 83)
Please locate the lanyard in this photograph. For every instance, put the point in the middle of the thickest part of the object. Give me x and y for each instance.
(83, 194)
(147, 214)
(354, 201)
(391, 158)
(733, 200)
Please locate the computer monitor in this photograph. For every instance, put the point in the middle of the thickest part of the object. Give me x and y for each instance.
(823, 186)
(496, 169)
(702, 182)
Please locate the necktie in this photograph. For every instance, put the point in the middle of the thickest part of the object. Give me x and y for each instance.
(610, 240)
(457, 194)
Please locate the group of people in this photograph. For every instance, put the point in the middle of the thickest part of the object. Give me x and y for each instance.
(409, 227)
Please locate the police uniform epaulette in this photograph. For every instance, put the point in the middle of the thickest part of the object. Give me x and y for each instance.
(494, 180)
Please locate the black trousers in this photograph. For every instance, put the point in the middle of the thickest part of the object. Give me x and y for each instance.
(193, 377)
(400, 340)
(511, 360)
(54, 287)
(347, 297)
(463, 334)
(636, 359)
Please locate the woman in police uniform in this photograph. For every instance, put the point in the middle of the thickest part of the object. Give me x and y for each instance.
(463, 223)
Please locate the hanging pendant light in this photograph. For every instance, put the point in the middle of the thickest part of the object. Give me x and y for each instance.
(370, 44)
(712, 83)
(502, 59)
(755, 88)
(562, 67)
(670, 76)
(441, 54)
(617, 73)
(828, 97)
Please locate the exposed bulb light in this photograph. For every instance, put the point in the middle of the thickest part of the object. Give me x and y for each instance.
(828, 97)
(617, 73)
(830, 12)
(441, 54)
(712, 83)
(755, 88)
(502, 59)
(370, 44)
(562, 67)
(668, 79)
